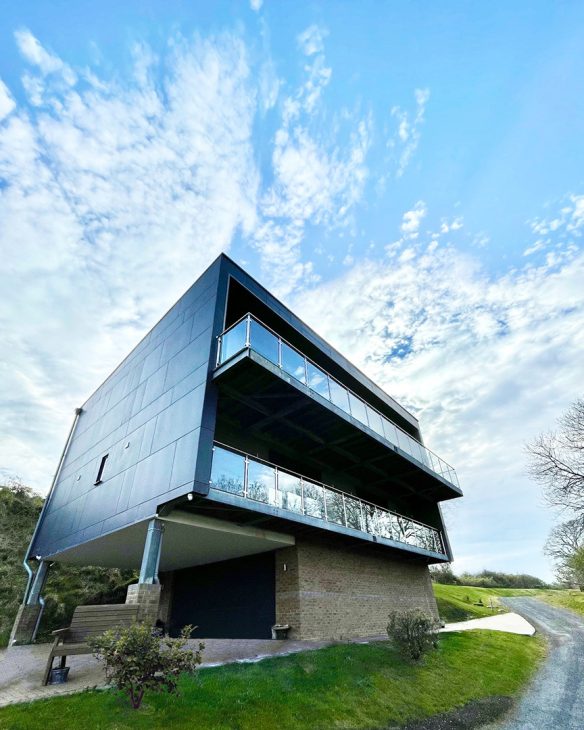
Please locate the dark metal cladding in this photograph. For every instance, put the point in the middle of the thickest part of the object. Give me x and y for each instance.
(155, 417)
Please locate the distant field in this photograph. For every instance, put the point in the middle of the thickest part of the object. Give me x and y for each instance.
(459, 603)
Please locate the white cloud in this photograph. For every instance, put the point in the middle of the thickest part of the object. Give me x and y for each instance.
(412, 218)
(6, 101)
(112, 199)
(317, 181)
(407, 137)
(256, 5)
(485, 362)
(311, 40)
(46, 62)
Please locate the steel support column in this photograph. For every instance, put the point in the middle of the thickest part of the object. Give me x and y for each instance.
(37, 584)
(151, 556)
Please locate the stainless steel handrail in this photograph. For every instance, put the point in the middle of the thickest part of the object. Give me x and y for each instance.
(445, 470)
(365, 507)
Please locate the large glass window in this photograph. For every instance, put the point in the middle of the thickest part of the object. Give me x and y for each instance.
(317, 380)
(293, 363)
(264, 342)
(261, 482)
(228, 471)
(339, 395)
(291, 490)
(233, 341)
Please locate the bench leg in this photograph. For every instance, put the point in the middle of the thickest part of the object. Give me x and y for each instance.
(48, 669)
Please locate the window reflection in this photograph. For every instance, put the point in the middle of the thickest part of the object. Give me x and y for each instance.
(264, 342)
(339, 395)
(375, 421)
(233, 341)
(291, 491)
(334, 507)
(313, 499)
(261, 482)
(317, 380)
(293, 363)
(228, 471)
(358, 409)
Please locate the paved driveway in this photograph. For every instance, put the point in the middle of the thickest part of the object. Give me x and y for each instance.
(555, 698)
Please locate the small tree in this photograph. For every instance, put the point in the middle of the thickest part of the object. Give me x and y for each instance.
(414, 632)
(136, 659)
(576, 564)
(564, 541)
(443, 574)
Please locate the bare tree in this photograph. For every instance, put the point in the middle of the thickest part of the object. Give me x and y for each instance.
(557, 460)
(565, 541)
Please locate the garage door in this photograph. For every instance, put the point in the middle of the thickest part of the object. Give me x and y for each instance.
(234, 599)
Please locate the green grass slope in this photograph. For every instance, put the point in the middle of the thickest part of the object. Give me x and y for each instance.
(348, 686)
(460, 603)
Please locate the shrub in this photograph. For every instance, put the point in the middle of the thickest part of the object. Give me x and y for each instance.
(413, 631)
(137, 659)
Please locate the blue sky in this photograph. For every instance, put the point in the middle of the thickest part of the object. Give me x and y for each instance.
(408, 176)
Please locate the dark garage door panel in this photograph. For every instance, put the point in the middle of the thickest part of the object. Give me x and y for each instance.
(234, 599)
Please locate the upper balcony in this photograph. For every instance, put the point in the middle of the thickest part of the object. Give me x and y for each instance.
(249, 339)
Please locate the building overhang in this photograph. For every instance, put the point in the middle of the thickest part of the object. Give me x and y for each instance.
(189, 539)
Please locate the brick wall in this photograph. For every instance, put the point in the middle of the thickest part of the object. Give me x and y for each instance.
(165, 605)
(333, 590)
(147, 597)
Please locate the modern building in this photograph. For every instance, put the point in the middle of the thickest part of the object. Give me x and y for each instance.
(251, 473)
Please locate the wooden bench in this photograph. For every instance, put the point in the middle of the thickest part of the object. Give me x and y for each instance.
(87, 621)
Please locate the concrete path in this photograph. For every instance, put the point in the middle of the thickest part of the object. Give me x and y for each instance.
(512, 623)
(555, 698)
(21, 667)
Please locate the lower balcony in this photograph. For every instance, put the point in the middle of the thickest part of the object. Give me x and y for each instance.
(294, 497)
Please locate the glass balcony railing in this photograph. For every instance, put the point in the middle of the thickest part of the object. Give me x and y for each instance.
(248, 332)
(245, 476)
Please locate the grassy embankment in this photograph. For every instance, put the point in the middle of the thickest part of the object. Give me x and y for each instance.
(459, 603)
(349, 685)
(68, 586)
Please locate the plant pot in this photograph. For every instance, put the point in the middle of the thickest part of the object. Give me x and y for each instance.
(280, 631)
(58, 675)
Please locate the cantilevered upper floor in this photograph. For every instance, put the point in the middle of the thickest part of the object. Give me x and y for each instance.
(230, 373)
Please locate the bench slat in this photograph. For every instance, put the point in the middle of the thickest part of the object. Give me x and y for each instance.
(105, 607)
(90, 620)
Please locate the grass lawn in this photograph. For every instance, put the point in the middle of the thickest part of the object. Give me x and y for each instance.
(459, 603)
(574, 600)
(342, 686)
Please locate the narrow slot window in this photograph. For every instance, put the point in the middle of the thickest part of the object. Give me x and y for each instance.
(101, 468)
